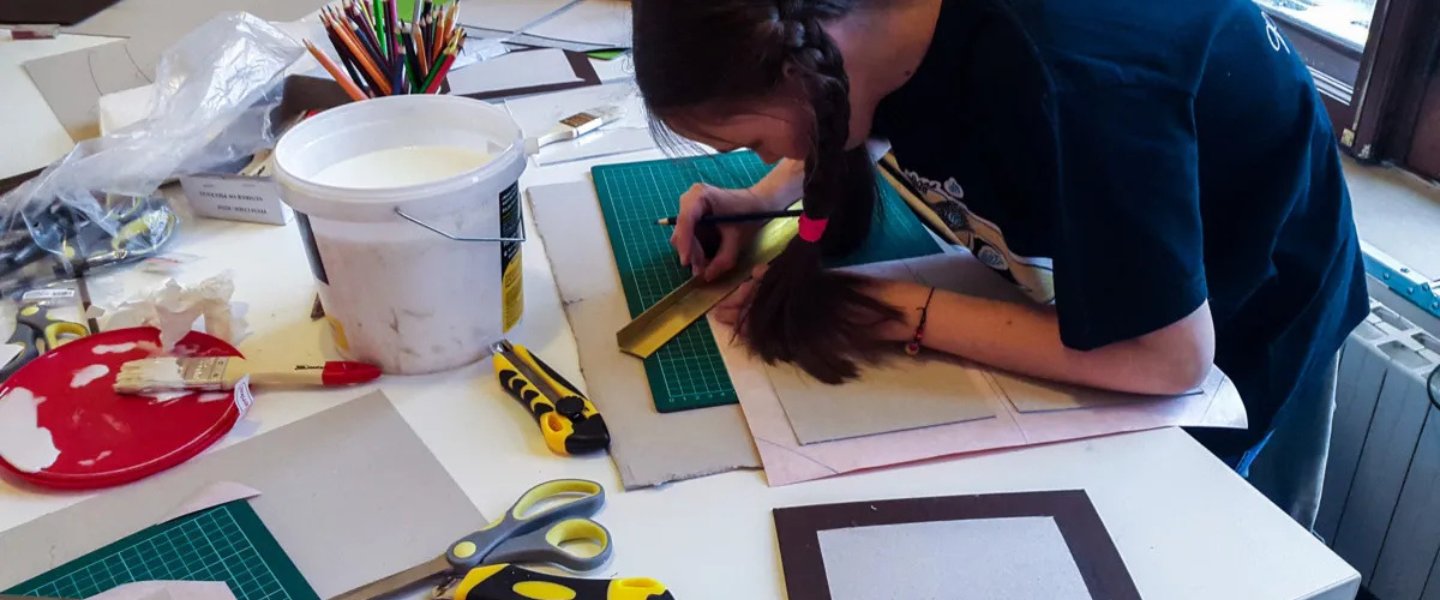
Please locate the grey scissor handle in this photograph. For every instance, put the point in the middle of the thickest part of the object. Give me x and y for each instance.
(475, 549)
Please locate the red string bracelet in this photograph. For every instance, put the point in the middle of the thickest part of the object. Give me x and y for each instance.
(913, 347)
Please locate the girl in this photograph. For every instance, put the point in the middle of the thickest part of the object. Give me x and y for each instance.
(1161, 177)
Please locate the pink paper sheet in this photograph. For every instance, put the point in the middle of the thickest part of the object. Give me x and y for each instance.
(786, 461)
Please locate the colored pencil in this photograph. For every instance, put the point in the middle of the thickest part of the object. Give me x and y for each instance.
(382, 54)
(417, 32)
(345, 83)
(347, 36)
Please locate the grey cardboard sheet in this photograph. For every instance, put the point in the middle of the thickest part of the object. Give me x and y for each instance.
(649, 448)
(73, 82)
(1018, 558)
(904, 393)
(1029, 395)
(166, 21)
(355, 477)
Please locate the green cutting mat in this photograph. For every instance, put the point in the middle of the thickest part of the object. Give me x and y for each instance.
(688, 372)
(226, 543)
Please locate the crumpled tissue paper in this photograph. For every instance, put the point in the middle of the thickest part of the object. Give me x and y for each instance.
(174, 309)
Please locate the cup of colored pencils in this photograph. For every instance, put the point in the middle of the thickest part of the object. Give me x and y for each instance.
(382, 55)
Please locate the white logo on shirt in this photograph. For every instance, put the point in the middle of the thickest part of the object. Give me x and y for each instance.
(1035, 276)
(1277, 39)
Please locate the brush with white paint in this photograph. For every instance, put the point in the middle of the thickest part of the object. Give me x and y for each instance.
(222, 373)
(574, 126)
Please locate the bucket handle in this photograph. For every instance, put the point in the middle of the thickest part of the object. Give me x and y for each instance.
(459, 238)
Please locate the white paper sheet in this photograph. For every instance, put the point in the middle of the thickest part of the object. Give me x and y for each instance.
(538, 114)
(506, 15)
(514, 71)
(601, 22)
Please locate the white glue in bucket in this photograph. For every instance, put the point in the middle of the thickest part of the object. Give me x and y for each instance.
(409, 208)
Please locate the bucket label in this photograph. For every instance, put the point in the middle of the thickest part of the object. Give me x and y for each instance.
(317, 265)
(512, 287)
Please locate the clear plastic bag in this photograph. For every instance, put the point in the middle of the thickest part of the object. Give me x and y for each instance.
(215, 90)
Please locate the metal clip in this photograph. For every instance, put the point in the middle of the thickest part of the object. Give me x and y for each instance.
(458, 238)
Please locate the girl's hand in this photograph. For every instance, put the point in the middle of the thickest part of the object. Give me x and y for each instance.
(735, 238)
(729, 310)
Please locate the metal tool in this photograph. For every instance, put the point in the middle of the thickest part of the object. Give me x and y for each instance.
(518, 536)
(686, 304)
(568, 420)
(36, 333)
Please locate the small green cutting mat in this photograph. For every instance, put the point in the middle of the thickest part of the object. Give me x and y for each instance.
(688, 372)
(226, 543)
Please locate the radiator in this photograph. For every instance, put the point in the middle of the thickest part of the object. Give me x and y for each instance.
(1381, 505)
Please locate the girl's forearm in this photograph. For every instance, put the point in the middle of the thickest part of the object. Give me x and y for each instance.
(1026, 339)
(783, 185)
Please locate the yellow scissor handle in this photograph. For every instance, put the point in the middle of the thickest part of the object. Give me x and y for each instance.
(509, 582)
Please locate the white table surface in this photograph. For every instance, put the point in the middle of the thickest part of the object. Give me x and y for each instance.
(1186, 526)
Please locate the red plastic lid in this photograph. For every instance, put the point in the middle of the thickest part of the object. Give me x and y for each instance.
(107, 439)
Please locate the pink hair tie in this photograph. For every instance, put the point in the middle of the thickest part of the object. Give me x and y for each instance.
(811, 230)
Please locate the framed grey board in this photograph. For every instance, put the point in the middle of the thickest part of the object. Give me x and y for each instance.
(1099, 563)
(688, 372)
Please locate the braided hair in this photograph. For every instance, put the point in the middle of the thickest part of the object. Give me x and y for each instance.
(694, 53)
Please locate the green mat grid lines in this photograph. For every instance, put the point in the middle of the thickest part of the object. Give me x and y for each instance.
(688, 372)
(226, 543)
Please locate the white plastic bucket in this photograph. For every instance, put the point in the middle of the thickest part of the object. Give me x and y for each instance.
(413, 274)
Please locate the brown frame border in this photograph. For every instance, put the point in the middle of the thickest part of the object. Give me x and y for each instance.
(1090, 545)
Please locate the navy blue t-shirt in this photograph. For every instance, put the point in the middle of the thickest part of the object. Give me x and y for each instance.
(1128, 160)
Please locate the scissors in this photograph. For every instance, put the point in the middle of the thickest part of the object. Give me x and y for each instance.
(477, 566)
(36, 333)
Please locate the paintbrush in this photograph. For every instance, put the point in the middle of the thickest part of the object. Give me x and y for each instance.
(222, 373)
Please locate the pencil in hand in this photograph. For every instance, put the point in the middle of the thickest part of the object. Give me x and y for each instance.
(737, 218)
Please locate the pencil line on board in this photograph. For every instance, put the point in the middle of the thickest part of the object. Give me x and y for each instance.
(792, 451)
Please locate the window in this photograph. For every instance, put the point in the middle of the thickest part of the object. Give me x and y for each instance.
(1374, 61)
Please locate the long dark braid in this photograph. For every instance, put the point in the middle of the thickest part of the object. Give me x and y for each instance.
(800, 313)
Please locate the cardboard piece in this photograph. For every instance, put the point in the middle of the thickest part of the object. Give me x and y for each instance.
(166, 21)
(73, 82)
(921, 391)
(20, 12)
(521, 73)
(1018, 526)
(1020, 558)
(787, 461)
(355, 477)
(649, 448)
(601, 22)
(1028, 394)
(539, 114)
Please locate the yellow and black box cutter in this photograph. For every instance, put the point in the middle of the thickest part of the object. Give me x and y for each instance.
(568, 420)
(509, 582)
